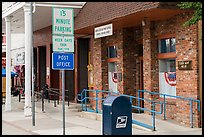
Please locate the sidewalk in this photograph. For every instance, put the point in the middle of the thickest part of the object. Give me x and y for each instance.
(77, 123)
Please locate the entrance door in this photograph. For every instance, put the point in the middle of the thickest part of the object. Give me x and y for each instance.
(83, 49)
(54, 75)
(42, 67)
(69, 84)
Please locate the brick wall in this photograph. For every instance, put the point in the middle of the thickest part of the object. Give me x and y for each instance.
(115, 40)
(129, 61)
(138, 33)
(97, 69)
(97, 64)
(187, 81)
(147, 61)
(104, 43)
(127, 42)
(43, 36)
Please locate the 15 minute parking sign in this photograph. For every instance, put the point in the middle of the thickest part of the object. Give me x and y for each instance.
(63, 21)
(63, 30)
(62, 61)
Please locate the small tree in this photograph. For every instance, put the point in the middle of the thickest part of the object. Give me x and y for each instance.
(197, 6)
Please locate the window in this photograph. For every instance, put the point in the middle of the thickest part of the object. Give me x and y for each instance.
(167, 45)
(112, 52)
(112, 77)
(167, 65)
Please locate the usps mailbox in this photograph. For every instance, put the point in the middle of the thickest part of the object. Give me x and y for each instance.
(117, 116)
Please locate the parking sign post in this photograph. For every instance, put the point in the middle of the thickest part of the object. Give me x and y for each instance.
(63, 100)
(63, 45)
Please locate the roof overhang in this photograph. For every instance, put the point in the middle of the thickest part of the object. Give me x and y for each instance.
(61, 4)
(10, 9)
(133, 20)
(42, 17)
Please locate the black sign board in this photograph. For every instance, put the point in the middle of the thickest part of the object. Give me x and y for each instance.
(185, 65)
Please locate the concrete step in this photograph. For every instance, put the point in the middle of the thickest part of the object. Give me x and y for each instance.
(98, 116)
(91, 115)
(75, 107)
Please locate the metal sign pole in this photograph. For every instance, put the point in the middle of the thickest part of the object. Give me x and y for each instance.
(63, 41)
(33, 78)
(63, 99)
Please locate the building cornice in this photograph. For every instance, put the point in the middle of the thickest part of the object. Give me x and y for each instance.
(11, 9)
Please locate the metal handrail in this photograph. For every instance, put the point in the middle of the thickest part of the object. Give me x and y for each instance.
(84, 99)
(53, 91)
(50, 92)
(153, 111)
(133, 97)
(191, 100)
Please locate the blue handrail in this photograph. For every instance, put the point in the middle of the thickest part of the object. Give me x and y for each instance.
(153, 111)
(191, 100)
(96, 98)
(85, 98)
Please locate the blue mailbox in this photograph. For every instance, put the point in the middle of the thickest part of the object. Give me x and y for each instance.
(117, 116)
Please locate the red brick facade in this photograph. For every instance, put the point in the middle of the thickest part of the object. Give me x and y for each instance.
(126, 41)
(136, 42)
(187, 82)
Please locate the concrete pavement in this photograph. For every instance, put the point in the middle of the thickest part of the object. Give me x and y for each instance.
(77, 123)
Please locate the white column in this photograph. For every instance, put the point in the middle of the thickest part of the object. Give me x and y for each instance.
(8, 64)
(28, 45)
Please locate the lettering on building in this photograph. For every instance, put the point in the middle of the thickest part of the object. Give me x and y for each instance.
(103, 31)
(20, 58)
(185, 65)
